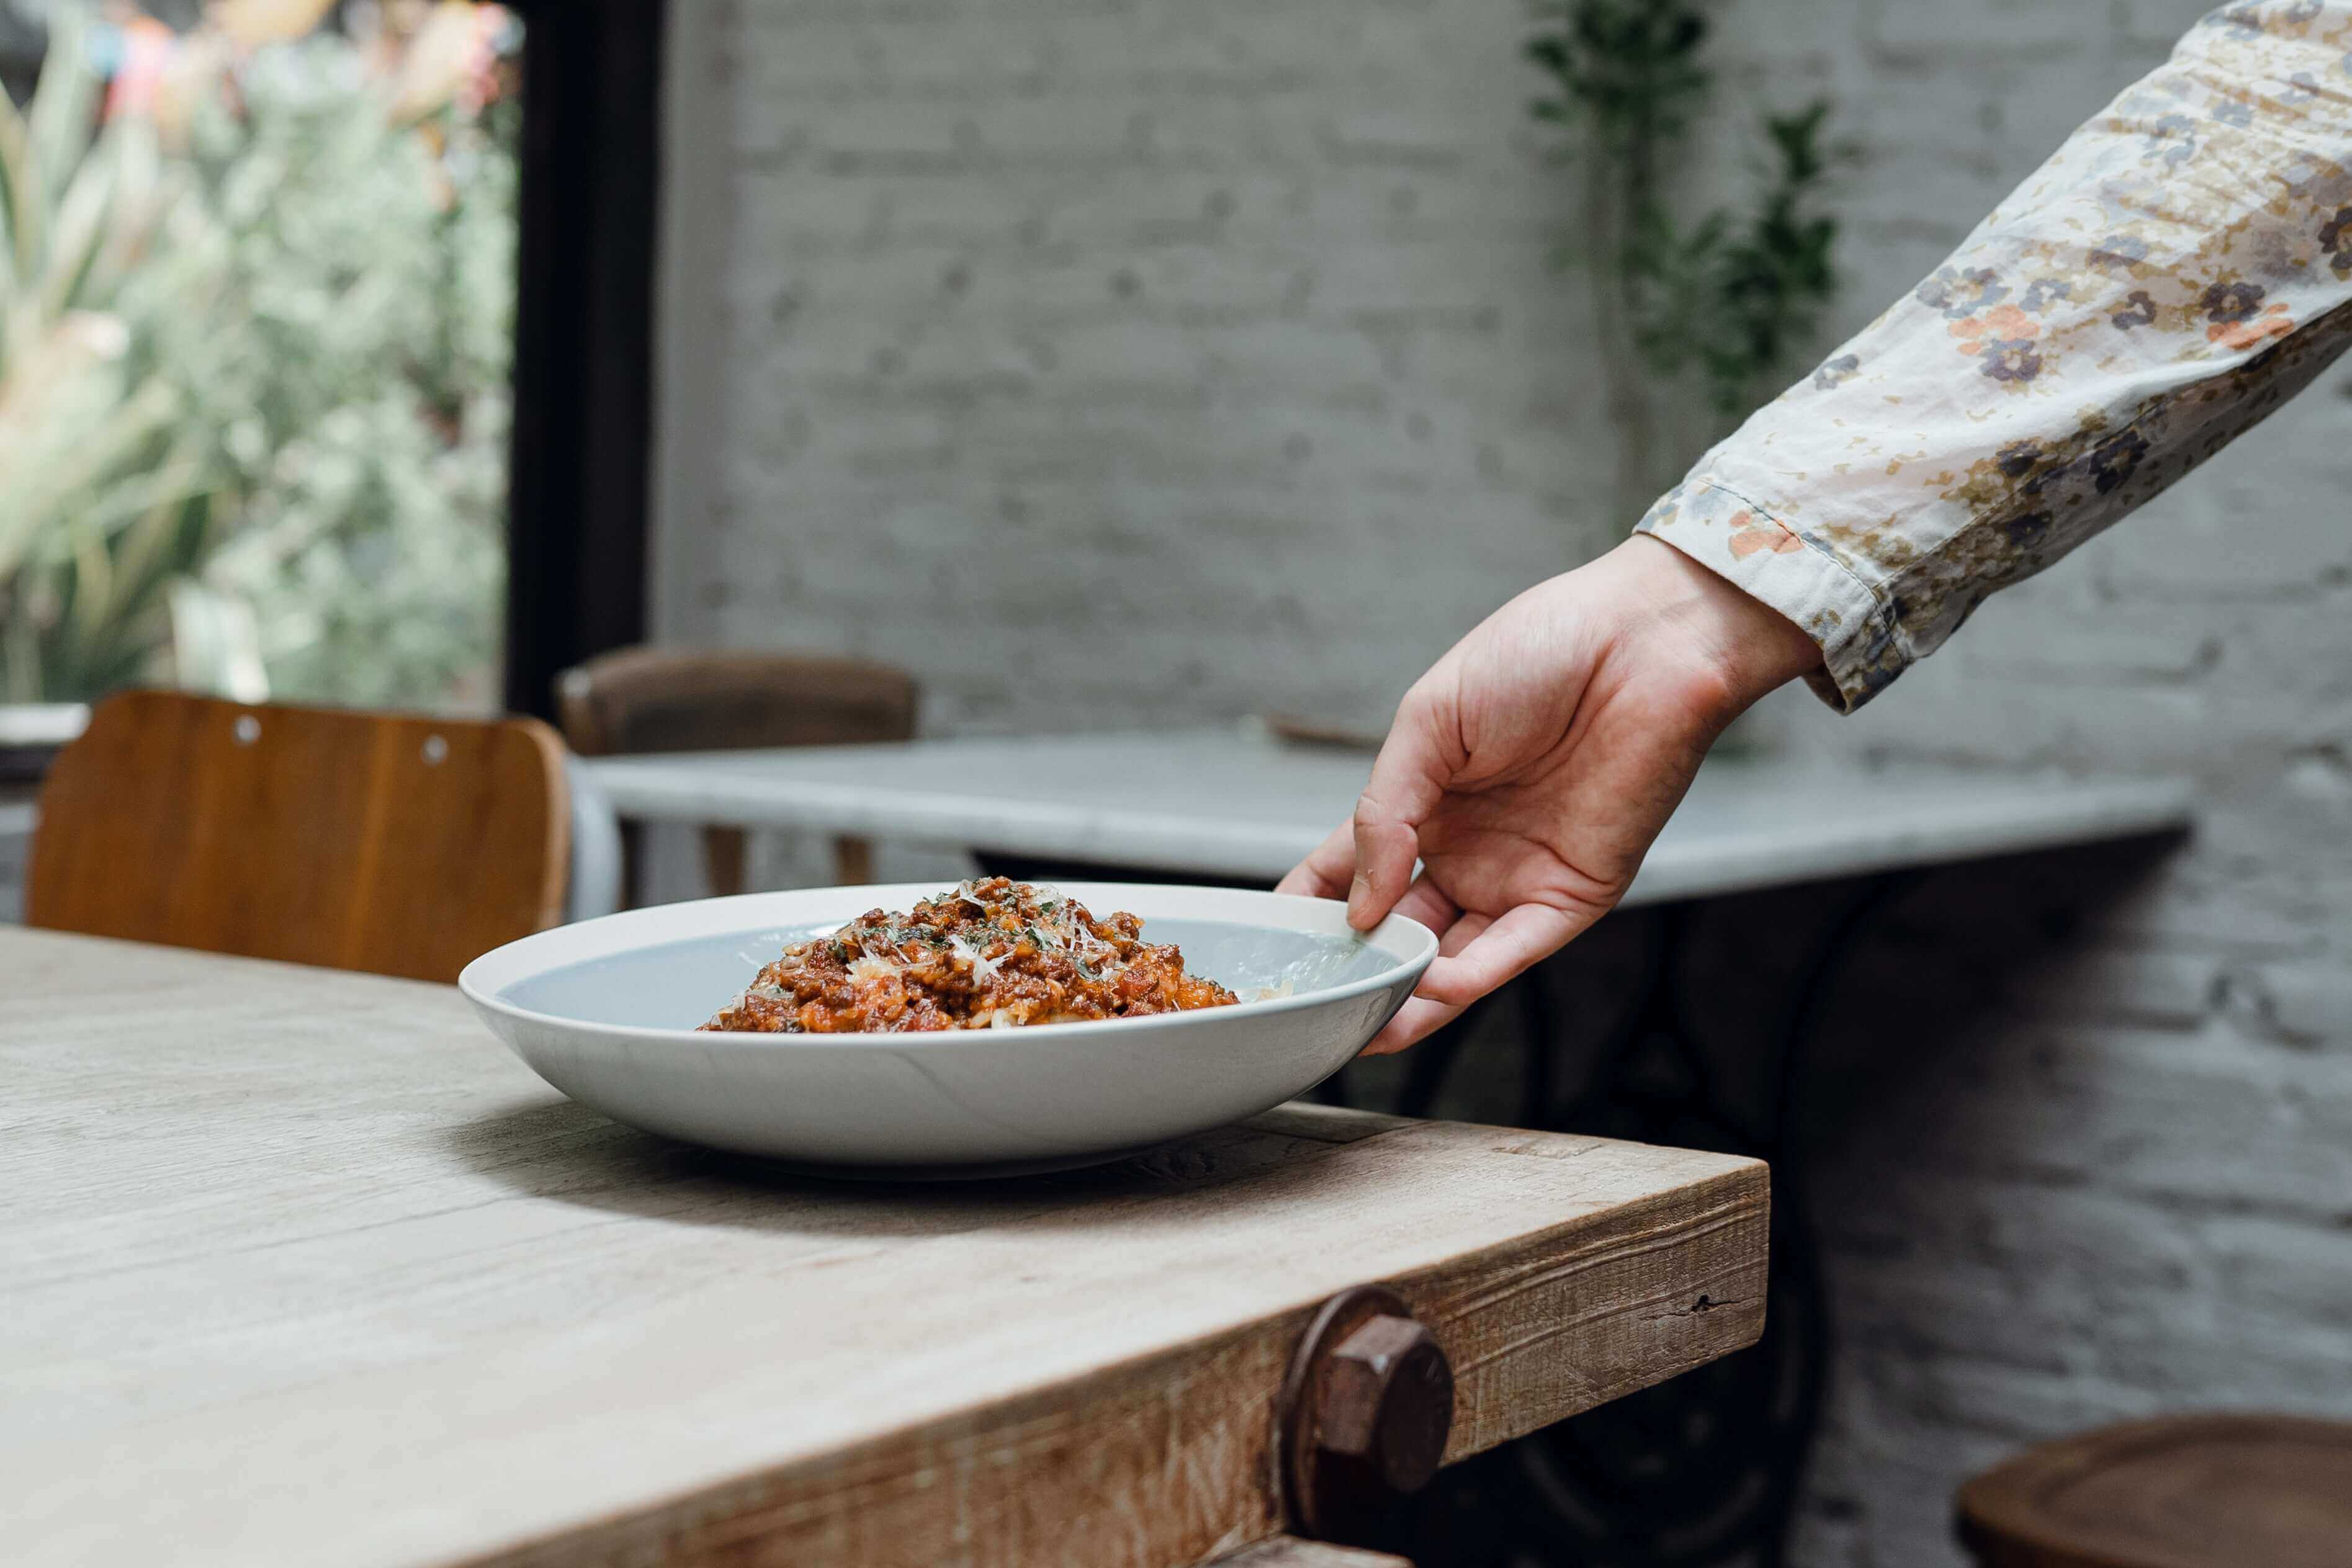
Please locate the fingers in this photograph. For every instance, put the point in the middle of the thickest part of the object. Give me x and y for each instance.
(1474, 956)
(1499, 952)
(1326, 871)
(1415, 1022)
(1407, 780)
(1328, 868)
(1431, 908)
(1420, 1015)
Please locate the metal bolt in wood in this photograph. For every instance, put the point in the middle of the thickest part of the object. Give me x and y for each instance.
(1365, 1411)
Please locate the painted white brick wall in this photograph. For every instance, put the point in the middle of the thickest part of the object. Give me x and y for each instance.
(1107, 358)
(1110, 362)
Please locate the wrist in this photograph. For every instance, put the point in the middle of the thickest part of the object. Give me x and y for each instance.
(1753, 647)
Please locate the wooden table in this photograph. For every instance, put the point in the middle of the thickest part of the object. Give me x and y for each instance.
(1245, 806)
(1232, 804)
(301, 1267)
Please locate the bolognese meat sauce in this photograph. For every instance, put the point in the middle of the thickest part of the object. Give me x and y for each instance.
(990, 954)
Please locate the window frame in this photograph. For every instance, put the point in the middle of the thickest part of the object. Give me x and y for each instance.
(588, 209)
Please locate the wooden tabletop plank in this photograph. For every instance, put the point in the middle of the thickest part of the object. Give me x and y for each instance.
(301, 1264)
(1288, 1552)
(1229, 803)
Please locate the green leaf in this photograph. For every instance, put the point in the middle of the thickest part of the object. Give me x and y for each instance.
(64, 107)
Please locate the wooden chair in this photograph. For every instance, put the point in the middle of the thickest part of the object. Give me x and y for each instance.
(691, 699)
(358, 841)
(2182, 1492)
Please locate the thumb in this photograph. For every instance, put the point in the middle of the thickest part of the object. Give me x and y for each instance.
(1409, 779)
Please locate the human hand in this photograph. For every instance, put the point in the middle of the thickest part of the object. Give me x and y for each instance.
(1530, 769)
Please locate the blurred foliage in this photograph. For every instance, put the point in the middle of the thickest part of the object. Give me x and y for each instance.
(253, 401)
(105, 493)
(1731, 295)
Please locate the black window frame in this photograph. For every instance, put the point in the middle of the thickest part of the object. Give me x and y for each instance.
(579, 484)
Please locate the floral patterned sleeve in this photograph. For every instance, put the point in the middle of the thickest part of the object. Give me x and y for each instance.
(2179, 268)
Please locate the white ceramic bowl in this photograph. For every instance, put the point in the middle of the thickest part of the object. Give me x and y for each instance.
(605, 1010)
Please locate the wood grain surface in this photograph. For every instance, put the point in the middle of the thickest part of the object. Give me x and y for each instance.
(2209, 1489)
(1289, 1551)
(396, 844)
(302, 1266)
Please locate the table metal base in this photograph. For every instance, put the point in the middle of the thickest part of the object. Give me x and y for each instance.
(1703, 1469)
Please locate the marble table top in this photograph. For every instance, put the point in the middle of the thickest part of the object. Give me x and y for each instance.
(1234, 803)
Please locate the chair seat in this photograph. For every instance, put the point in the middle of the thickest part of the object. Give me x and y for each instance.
(2183, 1491)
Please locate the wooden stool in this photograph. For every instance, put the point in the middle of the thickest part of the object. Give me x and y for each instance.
(700, 699)
(2180, 1491)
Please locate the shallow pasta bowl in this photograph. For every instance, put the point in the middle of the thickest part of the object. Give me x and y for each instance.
(605, 1010)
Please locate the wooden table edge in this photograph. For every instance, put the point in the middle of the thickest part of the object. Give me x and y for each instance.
(796, 1505)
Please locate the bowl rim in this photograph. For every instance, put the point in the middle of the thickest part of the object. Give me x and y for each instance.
(1410, 946)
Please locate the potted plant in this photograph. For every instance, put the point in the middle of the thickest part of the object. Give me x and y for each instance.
(1688, 312)
(1696, 319)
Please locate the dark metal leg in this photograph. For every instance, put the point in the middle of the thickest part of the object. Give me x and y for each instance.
(1703, 1471)
(1427, 1067)
(1426, 1070)
(1333, 1091)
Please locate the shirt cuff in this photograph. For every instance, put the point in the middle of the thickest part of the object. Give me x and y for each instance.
(1800, 576)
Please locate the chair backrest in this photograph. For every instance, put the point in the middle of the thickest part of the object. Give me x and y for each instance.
(693, 699)
(397, 845)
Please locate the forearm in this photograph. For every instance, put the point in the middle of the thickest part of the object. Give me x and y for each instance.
(2182, 266)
